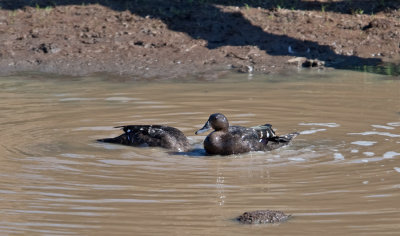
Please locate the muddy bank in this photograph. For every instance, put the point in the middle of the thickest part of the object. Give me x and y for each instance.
(177, 38)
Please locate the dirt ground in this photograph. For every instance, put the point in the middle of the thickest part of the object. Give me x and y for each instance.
(176, 38)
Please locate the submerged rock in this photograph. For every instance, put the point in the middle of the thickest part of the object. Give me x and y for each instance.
(262, 217)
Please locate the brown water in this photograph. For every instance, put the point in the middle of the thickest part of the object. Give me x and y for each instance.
(340, 177)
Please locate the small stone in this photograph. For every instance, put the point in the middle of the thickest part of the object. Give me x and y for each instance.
(55, 49)
(244, 69)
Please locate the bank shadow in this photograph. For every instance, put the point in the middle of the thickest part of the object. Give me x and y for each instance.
(339, 6)
(205, 20)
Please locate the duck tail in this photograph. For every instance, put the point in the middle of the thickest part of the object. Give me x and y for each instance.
(280, 141)
(286, 138)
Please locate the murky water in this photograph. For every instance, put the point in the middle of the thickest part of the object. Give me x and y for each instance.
(341, 176)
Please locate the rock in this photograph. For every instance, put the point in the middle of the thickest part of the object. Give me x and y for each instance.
(305, 62)
(262, 217)
(243, 68)
(313, 63)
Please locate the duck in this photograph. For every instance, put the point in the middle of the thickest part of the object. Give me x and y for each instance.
(151, 136)
(227, 140)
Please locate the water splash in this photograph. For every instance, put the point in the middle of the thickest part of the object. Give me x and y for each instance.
(364, 143)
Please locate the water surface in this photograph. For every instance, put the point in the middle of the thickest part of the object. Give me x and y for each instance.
(340, 176)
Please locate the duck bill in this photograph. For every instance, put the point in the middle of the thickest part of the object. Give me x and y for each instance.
(205, 128)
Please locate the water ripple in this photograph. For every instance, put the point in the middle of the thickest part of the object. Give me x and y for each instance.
(364, 143)
(394, 124)
(330, 125)
(121, 99)
(382, 127)
(376, 133)
(390, 154)
(369, 154)
(312, 131)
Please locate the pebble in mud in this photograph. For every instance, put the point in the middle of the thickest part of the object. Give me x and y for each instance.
(262, 217)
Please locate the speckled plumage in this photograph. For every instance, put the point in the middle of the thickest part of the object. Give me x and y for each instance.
(152, 136)
(226, 140)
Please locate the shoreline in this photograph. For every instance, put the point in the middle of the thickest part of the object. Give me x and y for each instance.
(179, 39)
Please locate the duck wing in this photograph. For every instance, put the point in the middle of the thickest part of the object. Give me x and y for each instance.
(265, 132)
(280, 141)
(248, 139)
(261, 138)
(244, 133)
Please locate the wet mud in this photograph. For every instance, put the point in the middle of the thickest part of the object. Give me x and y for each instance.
(176, 38)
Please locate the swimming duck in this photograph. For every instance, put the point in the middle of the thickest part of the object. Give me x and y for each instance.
(151, 136)
(226, 140)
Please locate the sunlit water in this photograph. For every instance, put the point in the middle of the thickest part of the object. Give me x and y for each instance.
(341, 175)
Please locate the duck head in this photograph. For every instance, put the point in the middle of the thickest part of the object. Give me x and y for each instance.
(217, 121)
